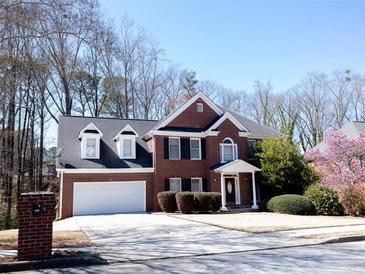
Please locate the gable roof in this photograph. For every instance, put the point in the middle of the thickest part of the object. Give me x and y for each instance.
(169, 118)
(230, 117)
(90, 128)
(351, 129)
(254, 129)
(70, 149)
(235, 166)
(126, 128)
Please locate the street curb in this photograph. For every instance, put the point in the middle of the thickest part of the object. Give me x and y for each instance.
(51, 263)
(344, 239)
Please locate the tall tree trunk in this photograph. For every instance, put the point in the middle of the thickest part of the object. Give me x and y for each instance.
(41, 135)
(9, 167)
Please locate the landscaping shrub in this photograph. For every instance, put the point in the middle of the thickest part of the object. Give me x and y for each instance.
(263, 205)
(185, 202)
(283, 169)
(202, 201)
(216, 202)
(207, 201)
(167, 201)
(353, 201)
(291, 204)
(324, 199)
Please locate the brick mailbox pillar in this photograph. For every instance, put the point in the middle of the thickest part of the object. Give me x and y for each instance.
(36, 212)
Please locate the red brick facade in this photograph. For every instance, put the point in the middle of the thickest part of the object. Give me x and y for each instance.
(165, 168)
(190, 118)
(35, 229)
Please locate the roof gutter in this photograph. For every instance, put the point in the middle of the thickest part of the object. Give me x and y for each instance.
(105, 170)
(171, 133)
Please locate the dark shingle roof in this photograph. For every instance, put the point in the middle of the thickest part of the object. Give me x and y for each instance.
(69, 146)
(351, 129)
(257, 131)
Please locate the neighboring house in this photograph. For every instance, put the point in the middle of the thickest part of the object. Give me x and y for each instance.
(49, 168)
(351, 130)
(109, 165)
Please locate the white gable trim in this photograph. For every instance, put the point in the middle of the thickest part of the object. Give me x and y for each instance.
(90, 126)
(126, 128)
(199, 95)
(236, 166)
(244, 134)
(230, 117)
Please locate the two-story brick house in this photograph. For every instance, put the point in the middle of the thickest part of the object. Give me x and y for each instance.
(109, 165)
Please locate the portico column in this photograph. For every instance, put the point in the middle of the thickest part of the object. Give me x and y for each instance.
(254, 206)
(223, 194)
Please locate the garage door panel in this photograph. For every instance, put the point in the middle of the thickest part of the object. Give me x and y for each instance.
(108, 197)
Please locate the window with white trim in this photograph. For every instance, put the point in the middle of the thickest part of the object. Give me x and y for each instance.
(126, 142)
(90, 146)
(195, 149)
(174, 148)
(228, 150)
(199, 107)
(175, 184)
(196, 184)
(127, 147)
(90, 142)
(90, 151)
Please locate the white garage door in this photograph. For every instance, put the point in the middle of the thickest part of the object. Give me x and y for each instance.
(109, 197)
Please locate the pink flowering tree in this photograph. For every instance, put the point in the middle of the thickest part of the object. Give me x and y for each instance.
(340, 163)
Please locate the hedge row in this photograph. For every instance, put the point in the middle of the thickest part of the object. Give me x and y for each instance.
(189, 202)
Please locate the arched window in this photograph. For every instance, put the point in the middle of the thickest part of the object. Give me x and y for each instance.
(228, 150)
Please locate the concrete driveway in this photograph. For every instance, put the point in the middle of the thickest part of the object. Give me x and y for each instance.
(125, 237)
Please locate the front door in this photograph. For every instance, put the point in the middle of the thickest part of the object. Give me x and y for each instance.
(230, 191)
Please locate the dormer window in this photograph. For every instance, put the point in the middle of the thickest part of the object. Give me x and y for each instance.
(90, 147)
(90, 142)
(199, 107)
(127, 148)
(126, 143)
(228, 150)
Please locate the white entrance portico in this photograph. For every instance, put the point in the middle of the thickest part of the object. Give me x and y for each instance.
(230, 185)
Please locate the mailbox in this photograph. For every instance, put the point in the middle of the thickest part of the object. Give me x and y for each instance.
(37, 208)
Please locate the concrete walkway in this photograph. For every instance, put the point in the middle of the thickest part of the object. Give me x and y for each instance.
(260, 222)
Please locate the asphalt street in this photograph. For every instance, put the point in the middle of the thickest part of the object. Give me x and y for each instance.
(329, 258)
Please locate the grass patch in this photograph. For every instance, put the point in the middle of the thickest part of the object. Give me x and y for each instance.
(61, 239)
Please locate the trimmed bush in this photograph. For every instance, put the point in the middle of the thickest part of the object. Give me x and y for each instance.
(216, 202)
(202, 201)
(324, 199)
(291, 204)
(167, 201)
(185, 202)
(207, 201)
(353, 201)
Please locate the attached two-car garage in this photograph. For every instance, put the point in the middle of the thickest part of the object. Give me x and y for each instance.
(109, 197)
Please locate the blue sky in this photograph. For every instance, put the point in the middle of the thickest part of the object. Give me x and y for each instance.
(237, 42)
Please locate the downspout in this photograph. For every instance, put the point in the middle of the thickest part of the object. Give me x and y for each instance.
(61, 195)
